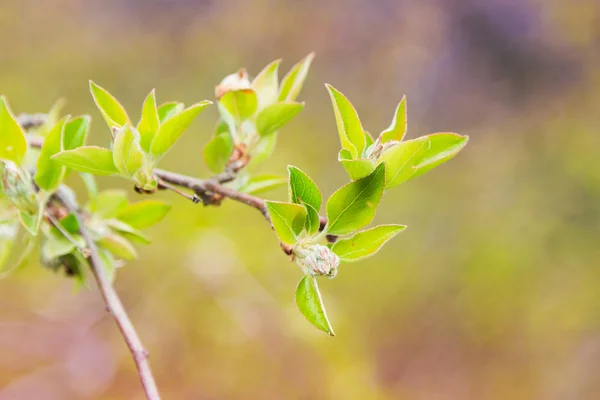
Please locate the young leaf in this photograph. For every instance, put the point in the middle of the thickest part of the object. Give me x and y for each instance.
(31, 222)
(13, 144)
(167, 110)
(401, 159)
(143, 214)
(312, 220)
(310, 303)
(127, 153)
(266, 84)
(127, 231)
(358, 168)
(149, 123)
(353, 206)
(75, 132)
(263, 149)
(50, 173)
(118, 246)
(218, 150)
(352, 135)
(92, 159)
(444, 146)
(303, 189)
(239, 104)
(365, 243)
(172, 128)
(292, 83)
(397, 130)
(275, 116)
(262, 183)
(108, 203)
(112, 111)
(288, 220)
(108, 263)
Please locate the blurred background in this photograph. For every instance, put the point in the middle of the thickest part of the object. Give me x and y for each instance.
(492, 293)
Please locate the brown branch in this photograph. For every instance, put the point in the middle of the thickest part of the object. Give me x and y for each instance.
(113, 303)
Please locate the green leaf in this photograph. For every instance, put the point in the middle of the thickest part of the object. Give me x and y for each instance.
(150, 121)
(400, 160)
(31, 222)
(365, 243)
(239, 105)
(292, 83)
(127, 231)
(58, 245)
(443, 147)
(144, 214)
(118, 246)
(108, 263)
(69, 223)
(168, 109)
(75, 132)
(358, 168)
(92, 159)
(344, 154)
(397, 130)
(172, 128)
(310, 303)
(13, 144)
(49, 173)
(218, 150)
(266, 84)
(263, 150)
(313, 222)
(108, 203)
(287, 219)
(275, 116)
(127, 152)
(352, 135)
(112, 111)
(303, 189)
(262, 183)
(368, 140)
(353, 206)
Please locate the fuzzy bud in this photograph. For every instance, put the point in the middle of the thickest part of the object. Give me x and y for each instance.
(236, 81)
(17, 185)
(317, 260)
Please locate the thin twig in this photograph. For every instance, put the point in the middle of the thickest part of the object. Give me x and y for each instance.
(113, 304)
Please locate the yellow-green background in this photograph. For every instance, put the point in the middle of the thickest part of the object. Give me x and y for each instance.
(492, 293)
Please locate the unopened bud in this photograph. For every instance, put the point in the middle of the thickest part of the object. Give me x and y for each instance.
(17, 185)
(317, 260)
(236, 81)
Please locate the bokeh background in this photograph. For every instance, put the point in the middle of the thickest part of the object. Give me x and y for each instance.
(492, 293)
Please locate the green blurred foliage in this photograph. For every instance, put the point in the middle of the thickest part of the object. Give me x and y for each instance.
(492, 292)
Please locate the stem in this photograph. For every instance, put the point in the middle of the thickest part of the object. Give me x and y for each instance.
(114, 305)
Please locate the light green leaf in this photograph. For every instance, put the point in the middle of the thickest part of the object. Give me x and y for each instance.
(287, 219)
(108, 263)
(266, 84)
(238, 105)
(275, 116)
(397, 130)
(144, 214)
(303, 189)
(310, 303)
(365, 243)
(172, 128)
(13, 144)
(344, 154)
(49, 173)
(127, 152)
(443, 147)
(350, 130)
(75, 132)
(118, 246)
(368, 140)
(92, 159)
(108, 203)
(149, 122)
(262, 183)
(168, 109)
(58, 245)
(400, 160)
(263, 150)
(218, 150)
(313, 223)
(127, 231)
(353, 206)
(31, 222)
(292, 83)
(358, 168)
(112, 111)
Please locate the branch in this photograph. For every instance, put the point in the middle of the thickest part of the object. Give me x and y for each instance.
(113, 303)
